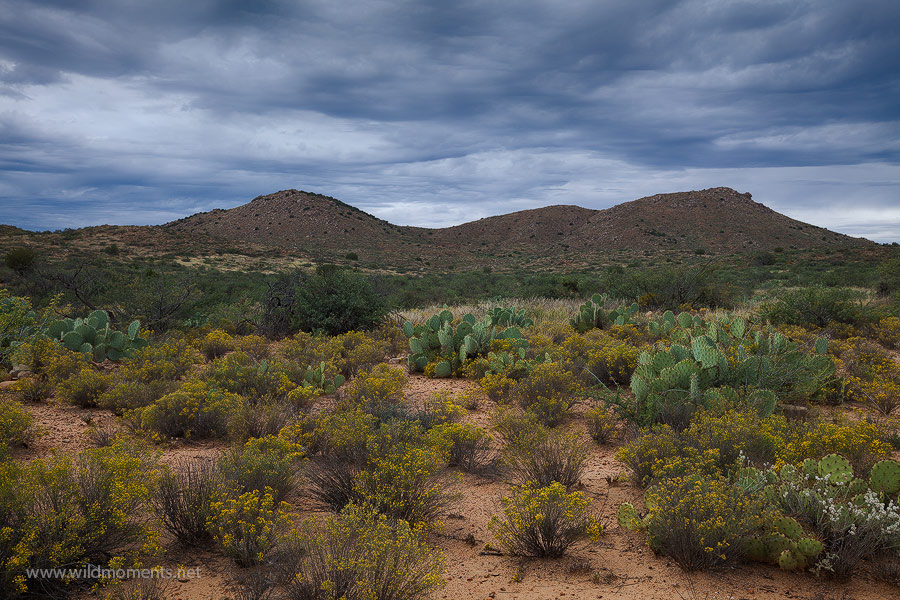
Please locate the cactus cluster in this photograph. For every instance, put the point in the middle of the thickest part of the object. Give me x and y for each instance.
(510, 363)
(724, 357)
(786, 545)
(315, 378)
(437, 339)
(94, 337)
(593, 315)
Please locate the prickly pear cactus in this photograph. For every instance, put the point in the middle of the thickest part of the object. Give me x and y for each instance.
(884, 477)
(836, 468)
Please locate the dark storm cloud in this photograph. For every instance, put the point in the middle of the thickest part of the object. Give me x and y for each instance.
(433, 112)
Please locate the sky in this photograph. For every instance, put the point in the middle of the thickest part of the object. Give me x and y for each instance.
(437, 113)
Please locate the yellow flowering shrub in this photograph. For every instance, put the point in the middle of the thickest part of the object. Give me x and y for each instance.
(84, 388)
(32, 389)
(263, 463)
(15, 423)
(343, 434)
(194, 410)
(873, 376)
(362, 554)
(247, 527)
(255, 345)
(610, 355)
(303, 397)
(128, 394)
(403, 478)
(438, 409)
(354, 352)
(168, 361)
(379, 386)
(496, 386)
(216, 343)
(66, 510)
(887, 332)
(858, 441)
(468, 446)
(148, 375)
(701, 522)
(240, 374)
(544, 521)
(548, 392)
(49, 359)
(601, 424)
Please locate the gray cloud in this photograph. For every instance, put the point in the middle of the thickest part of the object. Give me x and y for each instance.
(432, 113)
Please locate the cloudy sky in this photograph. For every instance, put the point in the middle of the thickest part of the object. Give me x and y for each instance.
(435, 113)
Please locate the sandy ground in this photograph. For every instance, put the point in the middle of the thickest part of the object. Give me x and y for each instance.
(619, 566)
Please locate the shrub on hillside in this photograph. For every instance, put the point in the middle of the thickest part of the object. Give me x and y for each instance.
(817, 307)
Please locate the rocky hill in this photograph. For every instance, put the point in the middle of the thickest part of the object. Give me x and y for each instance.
(714, 221)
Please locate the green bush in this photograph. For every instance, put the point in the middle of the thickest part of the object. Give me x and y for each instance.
(85, 388)
(336, 301)
(818, 306)
(21, 259)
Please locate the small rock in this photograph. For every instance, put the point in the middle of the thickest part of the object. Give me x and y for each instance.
(6, 384)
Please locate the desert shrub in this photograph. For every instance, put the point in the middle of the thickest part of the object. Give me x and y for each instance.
(246, 528)
(497, 386)
(872, 375)
(65, 511)
(701, 523)
(256, 346)
(21, 259)
(380, 386)
(516, 427)
(887, 332)
(18, 324)
(195, 410)
(48, 359)
(168, 362)
(184, 499)
(332, 482)
(608, 358)
(240, 374)
(32, 389)
(543, 521)
(127, 395)
(403, 477)
(215, 344)
(344, 434)
(262, 464)
(858, 441)
(601, 424)
(360, 554)
(267, 417)
(354, 352)
(817, 307)
(546, 457)
(84, 388)
(468, 446)
(335, 301)
(547, 392)
(15, 424)
(439, 408)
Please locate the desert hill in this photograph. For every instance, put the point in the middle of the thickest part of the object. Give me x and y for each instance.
(715, 221)
(294, 228)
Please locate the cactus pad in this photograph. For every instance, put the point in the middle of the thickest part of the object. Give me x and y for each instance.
(836, 468)
(885, 477)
